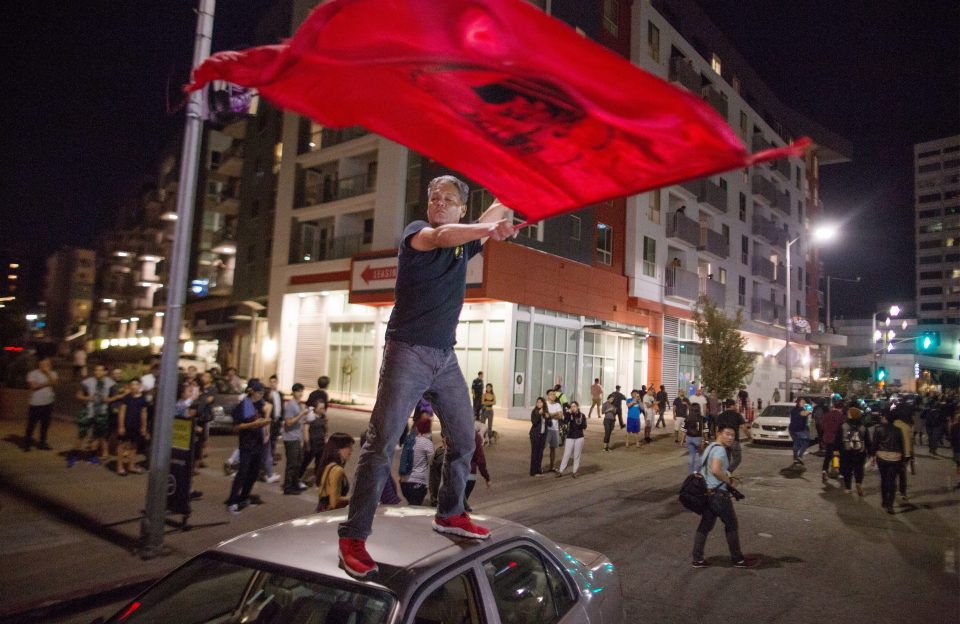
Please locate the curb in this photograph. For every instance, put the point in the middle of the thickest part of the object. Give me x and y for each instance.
(75, 603)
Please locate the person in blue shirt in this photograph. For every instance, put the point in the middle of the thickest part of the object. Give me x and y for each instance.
(715, 470)
(418, 356)
(633, 418)
(799, 430)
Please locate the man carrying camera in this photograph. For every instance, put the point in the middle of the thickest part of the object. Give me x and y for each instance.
(720, 489)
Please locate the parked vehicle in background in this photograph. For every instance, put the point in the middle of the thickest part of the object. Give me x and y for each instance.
(223, 406)
(289, 572)
(772, 425)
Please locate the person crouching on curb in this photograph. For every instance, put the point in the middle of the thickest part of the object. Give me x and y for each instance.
(719, 501)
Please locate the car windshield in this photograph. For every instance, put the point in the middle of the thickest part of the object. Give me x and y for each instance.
(776, 411)
(211, 590)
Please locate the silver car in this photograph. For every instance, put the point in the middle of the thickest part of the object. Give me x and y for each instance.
(289, 573)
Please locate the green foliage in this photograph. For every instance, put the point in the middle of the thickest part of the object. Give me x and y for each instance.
(724, 361)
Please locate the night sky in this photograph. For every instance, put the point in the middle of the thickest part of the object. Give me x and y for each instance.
(87, 86)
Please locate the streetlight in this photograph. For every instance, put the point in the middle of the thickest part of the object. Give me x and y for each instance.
(819, 234)
(877, 335)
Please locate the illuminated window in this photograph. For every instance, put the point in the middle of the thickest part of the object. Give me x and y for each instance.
(744, 124)
(649, 256)
(653, 41)
(611, 17)
(14, 265)
(604, 244)
(715, 63)
(655, 206)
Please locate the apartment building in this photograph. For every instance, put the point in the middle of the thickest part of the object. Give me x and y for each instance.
(606, 292)
(68, 292)
(937, 217)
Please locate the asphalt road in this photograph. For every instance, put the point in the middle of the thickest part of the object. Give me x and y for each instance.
(824, 554)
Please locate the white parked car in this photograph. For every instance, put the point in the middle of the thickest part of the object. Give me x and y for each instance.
(772, 425)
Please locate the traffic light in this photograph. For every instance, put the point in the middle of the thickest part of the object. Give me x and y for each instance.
(881, 374)
(928, 341)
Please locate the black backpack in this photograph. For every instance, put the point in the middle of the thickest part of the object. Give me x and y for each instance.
(693, 491)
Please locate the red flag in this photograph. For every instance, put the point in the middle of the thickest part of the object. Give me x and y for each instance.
(516, 100)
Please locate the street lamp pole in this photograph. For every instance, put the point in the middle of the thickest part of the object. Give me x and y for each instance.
(789, 387)
(830, 318)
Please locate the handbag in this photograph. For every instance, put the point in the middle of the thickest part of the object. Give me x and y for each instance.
(693, 490)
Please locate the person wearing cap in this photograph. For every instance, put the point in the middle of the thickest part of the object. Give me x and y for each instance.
(733, 419)
(251, 423)
(419, 355)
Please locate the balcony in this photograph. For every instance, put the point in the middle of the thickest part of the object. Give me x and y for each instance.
(712, 243)
(682, 227)
(766, 311)
(683, 73)
(768, 230)
(782, 203)
(762, 267)
(323, 187)
(336, 136)
(759, 143)
(781, 167)
(682, 284)
(781, 276)
(713, 290)
(225, 240)
(763, 189)
(231, 162)
(692, 188)
(713, 195)
(714, 97)
(318, 250)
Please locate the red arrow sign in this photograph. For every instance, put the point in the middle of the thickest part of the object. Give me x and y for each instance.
(379, 273)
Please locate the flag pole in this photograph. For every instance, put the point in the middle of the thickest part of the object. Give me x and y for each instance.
(154, 520)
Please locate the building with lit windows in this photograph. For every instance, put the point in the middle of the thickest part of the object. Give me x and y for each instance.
(937, 202)
(605, 292)
(68, 292)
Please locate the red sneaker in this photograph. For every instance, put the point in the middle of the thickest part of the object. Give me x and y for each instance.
(354, 558)
(460, 525)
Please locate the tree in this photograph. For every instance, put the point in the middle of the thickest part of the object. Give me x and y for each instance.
(723, 360)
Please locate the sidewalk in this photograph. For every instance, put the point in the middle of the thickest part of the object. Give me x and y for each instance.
(49, 565)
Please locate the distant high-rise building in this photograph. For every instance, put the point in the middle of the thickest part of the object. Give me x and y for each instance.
(13, 273)
(936, 168)
(69, 291)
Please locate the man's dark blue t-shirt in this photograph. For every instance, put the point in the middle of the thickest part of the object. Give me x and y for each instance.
(429, 292)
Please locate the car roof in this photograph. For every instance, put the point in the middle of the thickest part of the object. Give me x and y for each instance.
(403, 544)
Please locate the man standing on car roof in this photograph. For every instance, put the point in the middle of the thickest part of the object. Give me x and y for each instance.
(418, 356)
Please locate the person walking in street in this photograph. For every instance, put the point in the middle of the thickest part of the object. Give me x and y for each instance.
(906, 432)
(618, 399)
(633, 418)
(486, 412)
(414, 487)
(476, 392)
(799, 431)
(693, 428)
(649, 405)
(854, 442)
(609, 421)
(478, 463)
(538, 434)
(662, 400)
(887, 455)
(596, 398)
(295, 411)
(719, 502)
(713, 410)
(830, 424)
(315, 433)
(576, 424)
(42, 380)
(680, 405)
(744, 398)
(334, 487)
(418, 356)
(131, 428)
(731, 418)
(701, 400)
(554, 418)
(955, 443)
(436, 468)
(94, 415)
(251, 423)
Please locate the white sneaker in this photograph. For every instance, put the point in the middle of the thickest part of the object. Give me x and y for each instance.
(234, 509)
(302, 486)
(273, 478)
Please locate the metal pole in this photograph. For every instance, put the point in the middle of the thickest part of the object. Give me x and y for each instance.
(154, 520)
(829, 330)
(789, 325)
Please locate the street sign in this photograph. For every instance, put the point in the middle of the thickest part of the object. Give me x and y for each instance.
(180, 481)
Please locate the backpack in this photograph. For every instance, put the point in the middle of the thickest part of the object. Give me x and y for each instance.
(693, 427)
(853, 439)
(693, 490)
(406, 455)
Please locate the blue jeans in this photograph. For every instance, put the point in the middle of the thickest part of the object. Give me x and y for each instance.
(693, 447)
(406, 373)
(801, 440)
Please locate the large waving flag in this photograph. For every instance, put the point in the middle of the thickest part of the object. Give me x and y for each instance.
(545, 119)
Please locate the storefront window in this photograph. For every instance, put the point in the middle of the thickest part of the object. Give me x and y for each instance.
(353, 367)
(689, 365)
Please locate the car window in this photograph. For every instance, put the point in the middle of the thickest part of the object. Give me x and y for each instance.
(524, 590)
(454, 602)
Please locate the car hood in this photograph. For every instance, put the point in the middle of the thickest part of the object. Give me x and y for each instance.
(774, 421)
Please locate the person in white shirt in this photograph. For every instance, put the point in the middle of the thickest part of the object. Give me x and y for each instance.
(41, 381)
(554, 416)
(649, 415)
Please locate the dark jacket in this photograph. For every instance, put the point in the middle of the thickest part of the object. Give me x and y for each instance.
(798, 420)
(853, 425)
(538, 420)
(887, 438)
(479, 459)
(575, 429)
(831, 423)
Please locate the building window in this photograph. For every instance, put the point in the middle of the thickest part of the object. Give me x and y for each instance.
(367, 231)
(575, 226)
(653, 41)
(722, 275)
(532, 232)
(929, 275)
(741, 291)
(604, 244)
(929, 244)
(936, 305)
(649, 257)
(932, 290)
(254, 208)
(744, 124)
(655, 206)
(744, 249)
(800, 210)
(715, 64)
(797, 176)
(743, 207)
(725, 230)
(735, 83)
(611, 17)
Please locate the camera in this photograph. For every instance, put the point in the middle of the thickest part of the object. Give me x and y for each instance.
(735, 493)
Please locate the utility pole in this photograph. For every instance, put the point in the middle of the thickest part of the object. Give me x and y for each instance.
(154, 521)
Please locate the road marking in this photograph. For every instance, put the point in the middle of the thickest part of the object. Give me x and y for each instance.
(949, 562)
(768, 535)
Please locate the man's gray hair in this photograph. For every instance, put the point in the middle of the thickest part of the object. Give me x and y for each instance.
(462, 187)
